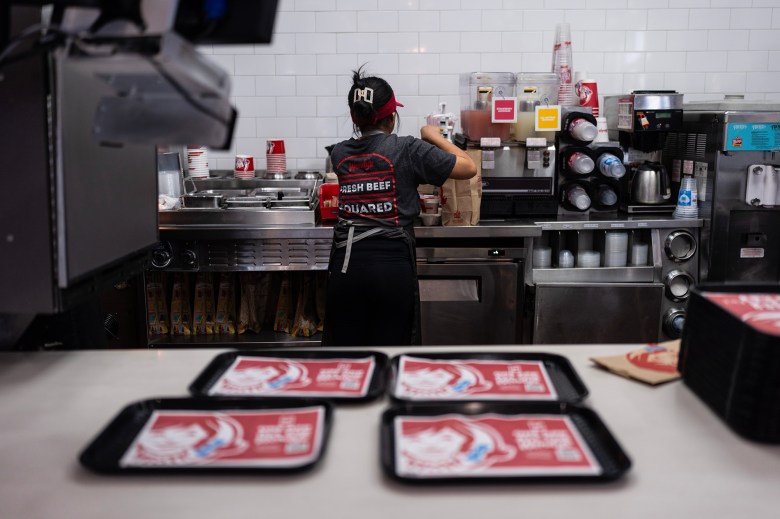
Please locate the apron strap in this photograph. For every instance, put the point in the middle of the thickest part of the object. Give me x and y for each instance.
(351, 238)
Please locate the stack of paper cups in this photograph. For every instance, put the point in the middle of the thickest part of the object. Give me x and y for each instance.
(562, 65)
(603, 135)
(687, 199)
(245, 167)
(276, 158)
(198, 161)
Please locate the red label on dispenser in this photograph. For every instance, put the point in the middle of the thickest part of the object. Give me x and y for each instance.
(504, 110)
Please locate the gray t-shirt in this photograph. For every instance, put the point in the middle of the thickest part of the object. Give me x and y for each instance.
(379, 175)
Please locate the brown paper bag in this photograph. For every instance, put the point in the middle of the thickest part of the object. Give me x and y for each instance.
(181, 312)
(652, 364)
(203, 312)
(461, 199)
(225, 318)
(306, 320)
(156, 304)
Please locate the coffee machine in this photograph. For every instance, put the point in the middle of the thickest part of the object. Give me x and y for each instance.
(733, 148)
(640, 122)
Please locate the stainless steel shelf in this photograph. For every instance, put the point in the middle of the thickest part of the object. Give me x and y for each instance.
(593, 275)
(617, 222)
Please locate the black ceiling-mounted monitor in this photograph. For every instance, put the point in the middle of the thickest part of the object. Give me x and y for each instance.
(225, 21)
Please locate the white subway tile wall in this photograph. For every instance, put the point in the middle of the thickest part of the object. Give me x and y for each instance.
(296, 87)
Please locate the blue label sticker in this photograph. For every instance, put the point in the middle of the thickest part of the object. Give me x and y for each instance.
(752, 136)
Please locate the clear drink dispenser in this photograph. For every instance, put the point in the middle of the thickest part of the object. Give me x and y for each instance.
(534, 89)
(477, 91)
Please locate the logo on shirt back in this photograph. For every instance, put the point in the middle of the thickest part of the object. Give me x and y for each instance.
(367, 187)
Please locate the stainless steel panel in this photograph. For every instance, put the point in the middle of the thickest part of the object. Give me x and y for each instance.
(26, 235)
(237, 217)
(437, 254)
(469, 303)
(658, 101)
(612, 222)
(597, 313)
(449, 289)
(594, 275)
(106, 195)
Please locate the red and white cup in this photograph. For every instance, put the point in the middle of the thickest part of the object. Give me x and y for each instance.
(588, 93)
(276, 158)
(197, 161)
(245, 166)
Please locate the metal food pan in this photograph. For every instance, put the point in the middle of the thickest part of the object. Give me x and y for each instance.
(288, 204)
(202, 201)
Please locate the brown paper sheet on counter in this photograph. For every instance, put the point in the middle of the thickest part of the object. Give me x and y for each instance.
(652, 364)
(461, 199)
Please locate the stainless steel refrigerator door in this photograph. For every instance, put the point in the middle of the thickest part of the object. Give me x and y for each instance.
(470, 303)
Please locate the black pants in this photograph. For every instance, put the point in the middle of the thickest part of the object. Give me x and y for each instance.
(373, 303)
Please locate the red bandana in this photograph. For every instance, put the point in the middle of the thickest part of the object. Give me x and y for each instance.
(384, 111)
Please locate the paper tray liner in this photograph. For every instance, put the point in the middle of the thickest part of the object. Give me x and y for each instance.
(222, 362)
(602, 444)
(104, 452)
(567, 383)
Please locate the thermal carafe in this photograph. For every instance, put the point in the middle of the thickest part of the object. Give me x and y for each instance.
(650, 184)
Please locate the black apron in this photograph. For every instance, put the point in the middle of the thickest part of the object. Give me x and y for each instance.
(347, 232)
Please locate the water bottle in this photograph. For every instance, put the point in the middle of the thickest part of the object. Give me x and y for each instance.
(583, 130)
(611, 166)
(580, 163)
(607, 195)
(578, 197)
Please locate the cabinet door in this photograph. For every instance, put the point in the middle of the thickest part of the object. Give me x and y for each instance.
(597, 313)
(469, 303)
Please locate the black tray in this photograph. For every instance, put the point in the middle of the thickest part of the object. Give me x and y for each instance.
(105, 451)
(564, 378)
(613, 460)
(209, 376)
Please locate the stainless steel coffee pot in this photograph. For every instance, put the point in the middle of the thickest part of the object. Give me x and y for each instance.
(650, 184)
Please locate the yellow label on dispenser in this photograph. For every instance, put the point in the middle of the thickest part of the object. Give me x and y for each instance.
(548, 118)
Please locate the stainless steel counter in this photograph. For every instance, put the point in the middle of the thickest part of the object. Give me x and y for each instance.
(524, 228)
(686, 462)
(492, 229)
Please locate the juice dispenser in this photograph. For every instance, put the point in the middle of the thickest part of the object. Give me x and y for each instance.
(477, 92)
(534, 89)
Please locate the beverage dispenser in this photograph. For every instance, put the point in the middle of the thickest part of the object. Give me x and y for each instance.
(478, 90)
(518, 175)
(732, 148)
